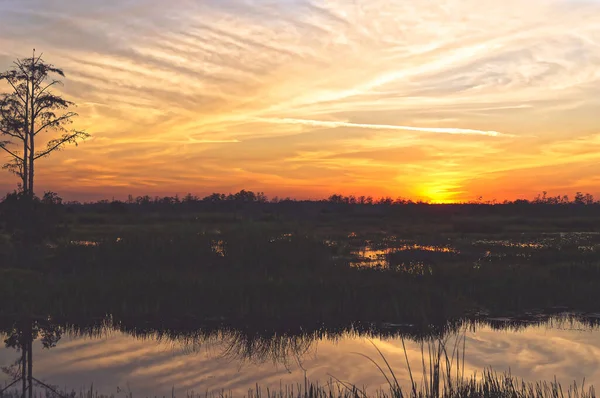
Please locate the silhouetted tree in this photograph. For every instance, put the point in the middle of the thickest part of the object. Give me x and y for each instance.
(143, 200)
(583, 199)
(30, 110)
(244, 196)
(261, 197)
(215, 197)
(30, 221)
(189, 198)
(51, 198)
(335, 198)
(387, 201)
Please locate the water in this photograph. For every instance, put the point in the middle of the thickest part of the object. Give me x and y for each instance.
(128, 358)
(397, 251)
(115, 362)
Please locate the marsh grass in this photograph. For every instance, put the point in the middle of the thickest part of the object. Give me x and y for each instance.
(262, 272)
(256, 275)
(443, 376)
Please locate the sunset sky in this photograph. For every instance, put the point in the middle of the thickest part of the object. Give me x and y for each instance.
(439, 100)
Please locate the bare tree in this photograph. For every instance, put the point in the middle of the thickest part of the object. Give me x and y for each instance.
(31, 109)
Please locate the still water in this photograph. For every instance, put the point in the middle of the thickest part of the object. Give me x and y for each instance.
(118, 363)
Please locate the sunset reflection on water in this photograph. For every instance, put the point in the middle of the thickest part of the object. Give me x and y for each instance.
(568, 350)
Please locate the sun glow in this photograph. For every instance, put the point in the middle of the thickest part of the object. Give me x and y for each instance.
(439, 193)
(320, 97)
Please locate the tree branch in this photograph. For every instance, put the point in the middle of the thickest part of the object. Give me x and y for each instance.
(47, 87)
(66, 116)
(57, 143)
(50, 101)
(15, 166)
(16, 90)
(14, 135)
(3, 146)
(5, 116)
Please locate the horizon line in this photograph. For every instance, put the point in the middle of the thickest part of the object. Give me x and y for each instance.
(130, 198)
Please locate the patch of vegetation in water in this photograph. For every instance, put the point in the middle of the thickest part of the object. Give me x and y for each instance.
(308, 263)
(254, 273)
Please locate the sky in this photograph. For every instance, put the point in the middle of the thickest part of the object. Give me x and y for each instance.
(446, 100)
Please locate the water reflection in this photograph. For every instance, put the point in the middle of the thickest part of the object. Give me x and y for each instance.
(398, 253)
(395, 252)
(150, 354)
(218, 246)
(510, 243)
(150, 362)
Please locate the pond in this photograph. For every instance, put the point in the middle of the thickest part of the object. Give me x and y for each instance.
(117, 362)
(225, 312)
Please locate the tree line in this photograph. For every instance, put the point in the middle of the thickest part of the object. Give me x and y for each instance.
(245, 196)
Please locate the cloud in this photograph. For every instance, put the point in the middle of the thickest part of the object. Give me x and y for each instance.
(320, 79)
(331, 124)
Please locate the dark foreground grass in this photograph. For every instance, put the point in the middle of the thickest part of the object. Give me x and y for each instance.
(491, 385)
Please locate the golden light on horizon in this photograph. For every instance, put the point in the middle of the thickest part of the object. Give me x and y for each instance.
(308, 98)
(439, 193)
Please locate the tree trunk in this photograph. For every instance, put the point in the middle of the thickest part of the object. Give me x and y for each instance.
(25, 170)
(24, 367)
(32, 127)
(30, 358)
(31, 160)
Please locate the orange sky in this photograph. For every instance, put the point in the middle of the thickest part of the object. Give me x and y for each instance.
(446, 100)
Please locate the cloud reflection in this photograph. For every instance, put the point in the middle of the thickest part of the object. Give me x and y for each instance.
(569, 351)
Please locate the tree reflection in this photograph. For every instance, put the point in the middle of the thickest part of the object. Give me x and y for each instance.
(242, 342)
(20, 336)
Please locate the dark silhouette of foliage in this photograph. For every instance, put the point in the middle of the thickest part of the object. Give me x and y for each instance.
(31, 109)
(245, 196)
(31, 220)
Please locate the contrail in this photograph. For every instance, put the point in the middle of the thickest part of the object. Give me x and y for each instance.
(439, 130)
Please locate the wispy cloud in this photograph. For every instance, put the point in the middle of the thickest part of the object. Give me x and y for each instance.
(188, 141)
(334, 124)
(312, 93)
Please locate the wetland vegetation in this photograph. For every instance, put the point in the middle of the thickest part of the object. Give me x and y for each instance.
(293, 262)
(275, 276)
